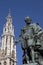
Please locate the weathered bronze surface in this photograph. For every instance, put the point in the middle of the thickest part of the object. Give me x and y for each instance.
(31, 39)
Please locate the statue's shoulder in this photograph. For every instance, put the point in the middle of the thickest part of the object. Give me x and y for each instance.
(35, 25)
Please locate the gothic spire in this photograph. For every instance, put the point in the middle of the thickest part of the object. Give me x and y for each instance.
(9, 19)
(9, 14)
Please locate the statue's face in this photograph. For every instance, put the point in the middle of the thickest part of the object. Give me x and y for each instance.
(28, 20)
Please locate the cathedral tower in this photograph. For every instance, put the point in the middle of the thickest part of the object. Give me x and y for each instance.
(8, 50)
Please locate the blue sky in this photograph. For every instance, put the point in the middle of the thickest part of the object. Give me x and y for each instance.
(19, 10)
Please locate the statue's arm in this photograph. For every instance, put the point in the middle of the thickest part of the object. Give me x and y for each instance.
(18, 40)
(37, 29)
(40, 31)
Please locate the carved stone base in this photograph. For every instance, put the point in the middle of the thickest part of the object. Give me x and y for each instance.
(31, 64)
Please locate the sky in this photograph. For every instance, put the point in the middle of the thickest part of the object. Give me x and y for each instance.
(19, 10)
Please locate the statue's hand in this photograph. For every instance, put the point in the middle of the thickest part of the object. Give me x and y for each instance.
(16, 41)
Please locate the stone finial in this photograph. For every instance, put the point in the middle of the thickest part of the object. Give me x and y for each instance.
(28, 19)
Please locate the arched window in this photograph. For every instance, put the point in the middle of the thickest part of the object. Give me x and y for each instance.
(13, 63)
(6, 39)
(5, 63)
(10, 39)
(0, 63)
(5, 29)
(10, 61)
(13, 54)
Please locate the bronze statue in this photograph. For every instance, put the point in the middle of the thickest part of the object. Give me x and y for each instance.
(31, 39)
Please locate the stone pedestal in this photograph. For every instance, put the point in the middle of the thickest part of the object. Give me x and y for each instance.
(31, 64)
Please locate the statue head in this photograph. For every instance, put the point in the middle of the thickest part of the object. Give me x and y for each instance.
(28, 20)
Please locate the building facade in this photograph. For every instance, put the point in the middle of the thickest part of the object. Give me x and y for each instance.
(8, 49)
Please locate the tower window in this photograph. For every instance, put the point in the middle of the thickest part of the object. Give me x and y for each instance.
(8, 24)
(6, 39)
(13, 54)
(0, 63)
(5, 29)
(5, 63)
(13, 63)
(10, 27)
(10, 61)
(10, 39)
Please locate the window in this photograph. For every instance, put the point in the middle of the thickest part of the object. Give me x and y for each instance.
(5, 63)
(0, 63)
(8, 29)
(5, 29)
(13, 54)
(13, 63)
(6, 39)
(10, 39)
(10, 61)
(8, 24)
(5, 50)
